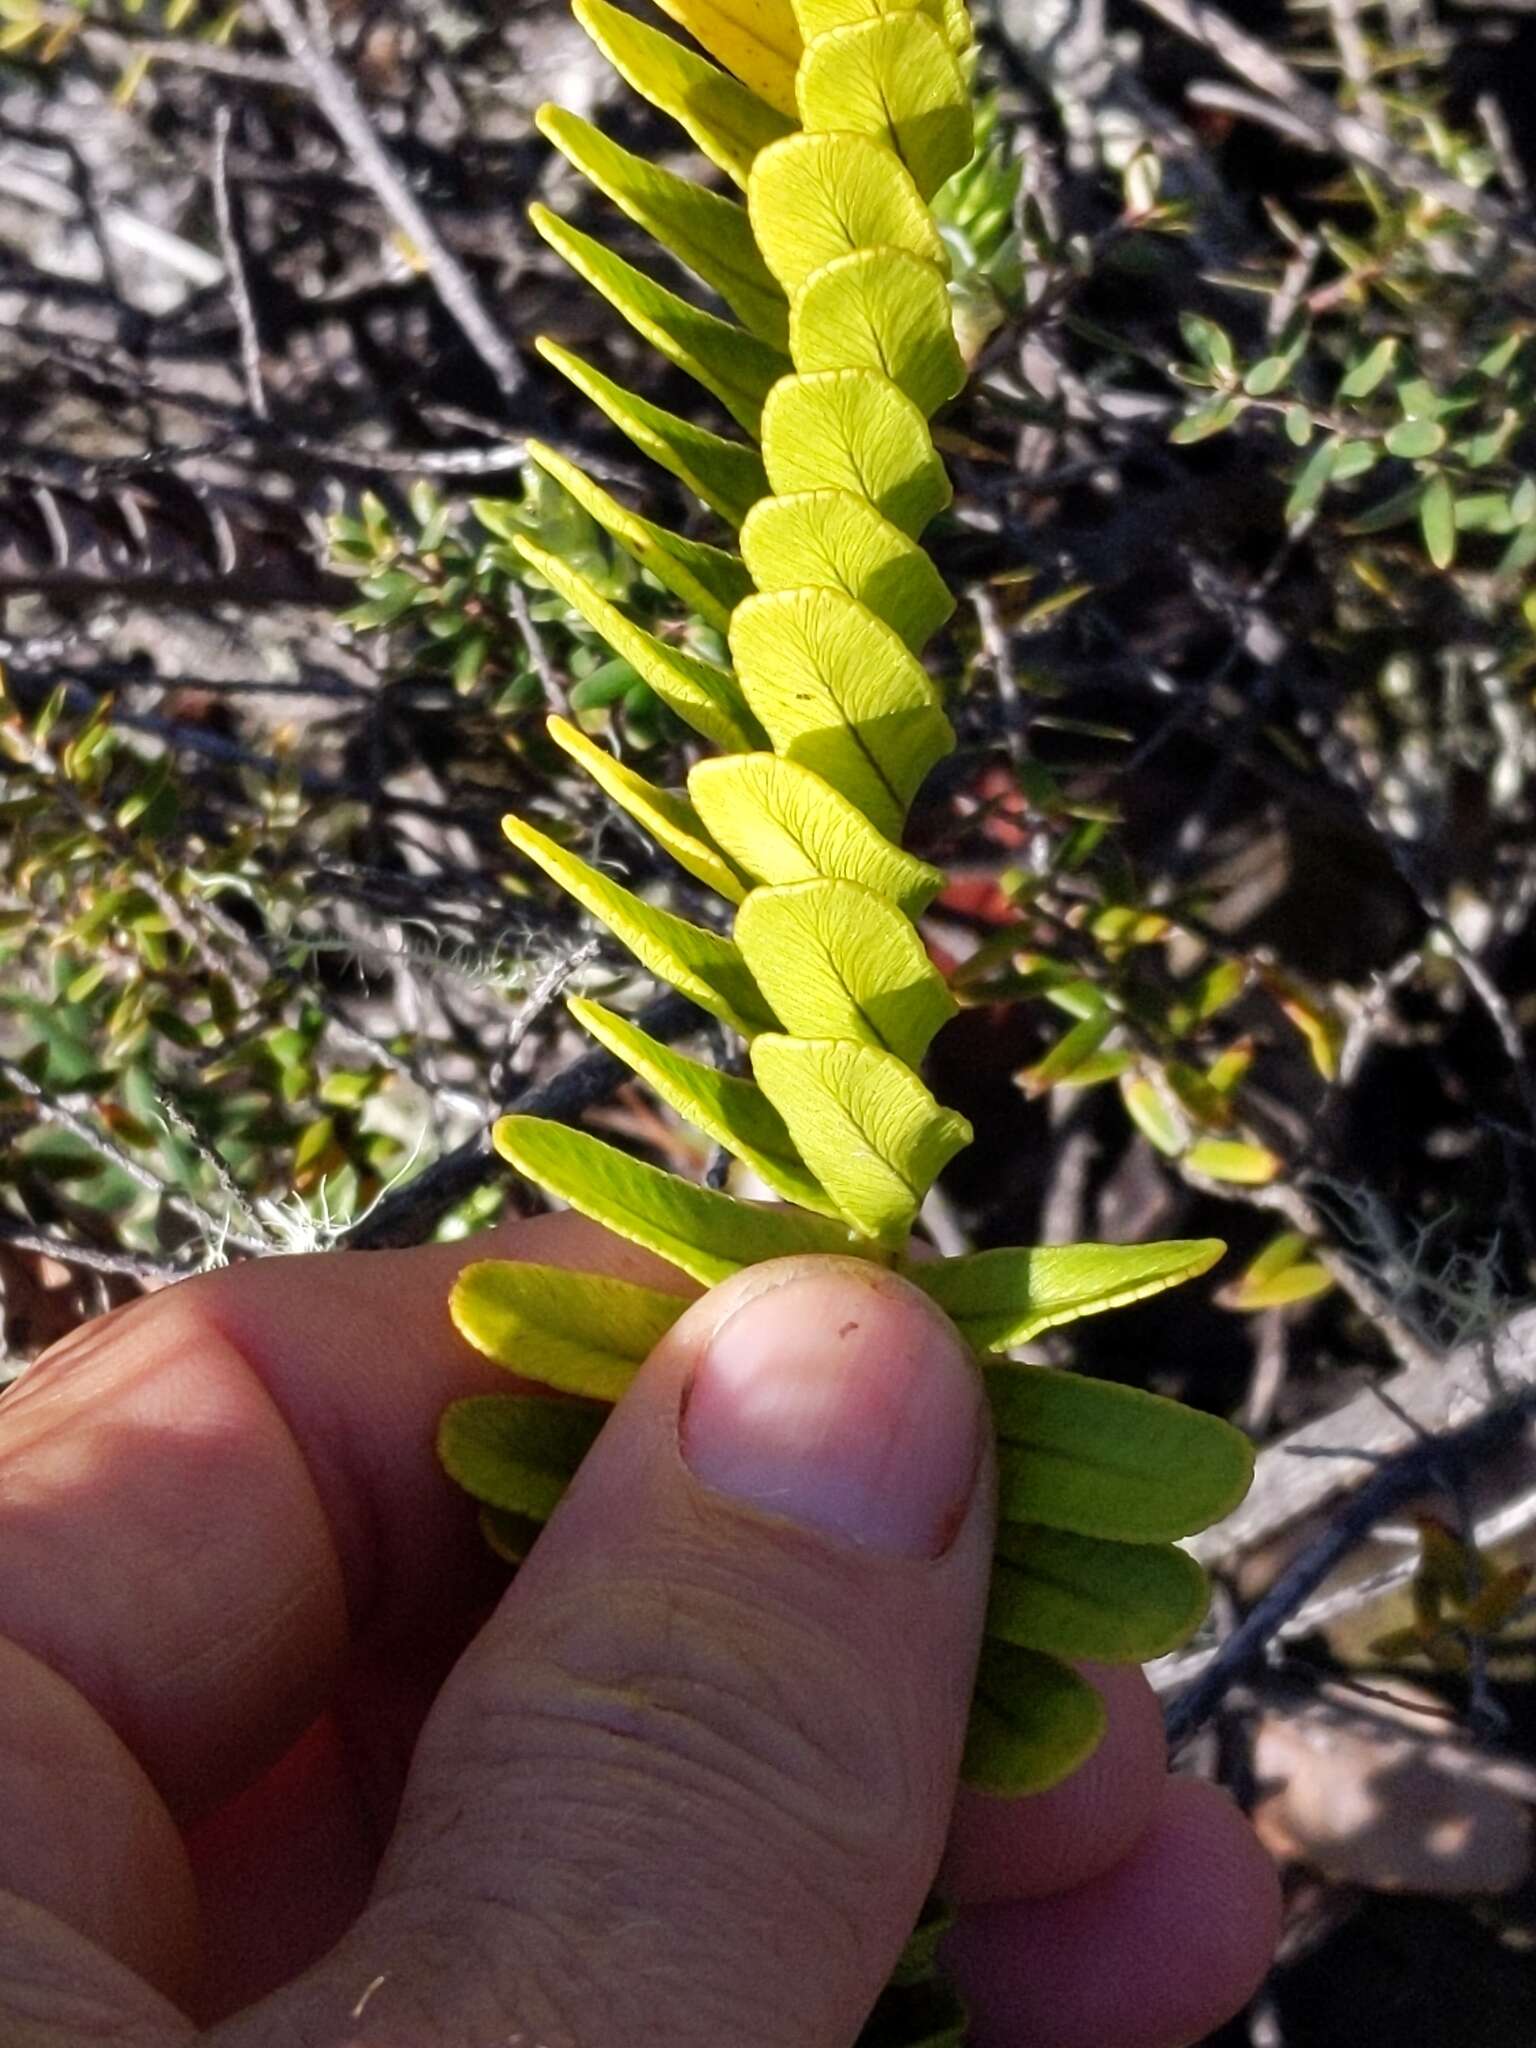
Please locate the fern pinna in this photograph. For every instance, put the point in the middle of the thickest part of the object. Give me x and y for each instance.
(838, 119)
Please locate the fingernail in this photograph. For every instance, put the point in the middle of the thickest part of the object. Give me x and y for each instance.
(844, 1402)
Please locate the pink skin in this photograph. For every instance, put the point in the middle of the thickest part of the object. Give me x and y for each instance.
(232, 1584)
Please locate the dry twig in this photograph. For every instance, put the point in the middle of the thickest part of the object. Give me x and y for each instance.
(338, 100)
(1300, 109)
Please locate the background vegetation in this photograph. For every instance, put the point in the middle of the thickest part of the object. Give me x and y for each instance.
(1239, 831)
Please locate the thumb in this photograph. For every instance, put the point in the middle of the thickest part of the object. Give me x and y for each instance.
(692, 1781)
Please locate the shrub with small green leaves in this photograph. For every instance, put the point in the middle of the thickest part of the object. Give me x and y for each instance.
(442, 585)
(1398, 395)
(166, 1072)
(1465, 1605)
(32, 30)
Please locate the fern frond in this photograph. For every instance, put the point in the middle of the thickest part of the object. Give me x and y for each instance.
(836, 540)
(731, 364)
(671, 820)
(757, 40)
(854, 430)
(708, 234)
(838, 119)
(708, 698)
(884, 310)
(729, 122)
(781, 823)
(709, 580)
(723, 474)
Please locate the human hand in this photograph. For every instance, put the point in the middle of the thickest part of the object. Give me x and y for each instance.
(275, 1756)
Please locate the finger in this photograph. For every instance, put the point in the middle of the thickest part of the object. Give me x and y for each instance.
(59, 1990)
(1028, 1848)
(282, 1871)
(272, 1906)
(1154, 1954)
(254, 1454)
(80, 1826)
(257, 1447)
(287, 1865)
(692, 1780)
(262, 1847)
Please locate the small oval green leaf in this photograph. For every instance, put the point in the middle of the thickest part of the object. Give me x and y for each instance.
(516, 1452)
(1154, 1115)
(1079, 1596)
(1010, 1295)
(580, 1333)
(1371, 370)
(838, 961)
(1412, 439)
(1206, 421)
(781, 823)
(1234, 1160)
(706, 1235)
(1437, 520)
(1033, 1721)
(1316, 474)
(1066, 1058)
(863, 1123)
(1104, 1460)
